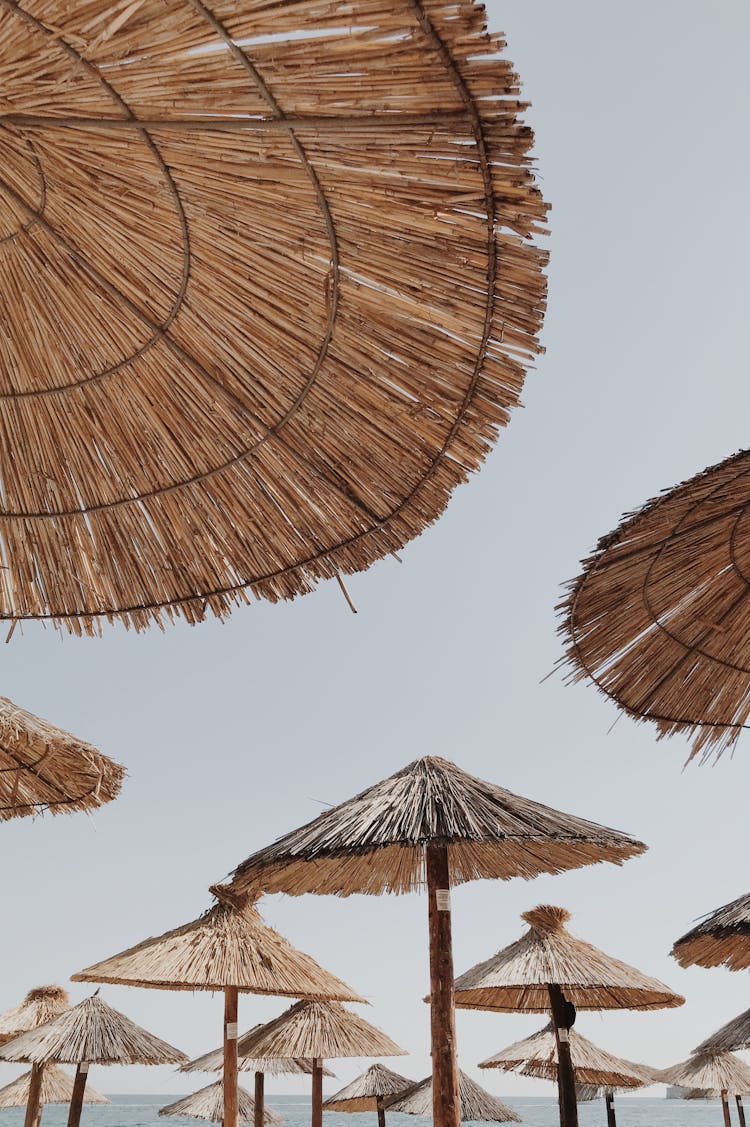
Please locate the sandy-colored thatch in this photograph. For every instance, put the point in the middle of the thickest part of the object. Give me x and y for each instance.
(732, 1037)
(40, 1005)
(326, 1030)
(722, 937)
(366, 1092)
(57, 1088)
(375, 842)
(709, 1072)
(270, 290)
(227, 946)
(595, 1068)
(208, 1103)
(518, 977)
(94, 1033)
(476, 1104)
(271, 1066)
(43, 768)
(658, 618)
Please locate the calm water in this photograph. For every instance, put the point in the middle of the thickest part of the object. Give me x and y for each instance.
(141, 1111)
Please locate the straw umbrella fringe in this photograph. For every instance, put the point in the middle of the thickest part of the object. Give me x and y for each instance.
(435, 825)
(721, 938)
(56, 1088)
(476, 1105)
(368, 1091)
(38, 1007)
(208, 1103)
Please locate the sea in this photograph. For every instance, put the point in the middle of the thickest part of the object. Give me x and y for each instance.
(143, 1111)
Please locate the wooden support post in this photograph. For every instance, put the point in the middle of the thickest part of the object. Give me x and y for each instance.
(740, 1110)
(230, 1057)
(446, 1109)
(76, 1100)
(35, 1092)
(381, 1115)
(725, 1109)
(566, 1077)
(610, 1101)
(259, 1098)
(317, 1093)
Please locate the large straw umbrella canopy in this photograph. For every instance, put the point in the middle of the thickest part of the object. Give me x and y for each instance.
(40, 1005)
(732, 1037)
(432, 824)
(659, 618)
(229, 948)
(550, 970)
(90, 1033)
(57, 1088)
(318, 1031)
(45, 768)
(476, 1104)
(269, 293)
(368, 1092)
(711, 1072)
(208, 1103)
(721, 938)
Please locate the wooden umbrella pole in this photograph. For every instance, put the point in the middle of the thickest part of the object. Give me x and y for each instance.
(381, 1114)
(446, 1109)
(317, 1093)
(259, 1098)
(35, 1092)
(76, 1100)
(725, 1109)
(610, 1102)
(230, 1057)
(740, 1110)
(566, 1077)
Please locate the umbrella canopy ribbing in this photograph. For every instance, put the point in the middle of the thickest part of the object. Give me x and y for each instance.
(43, 767)
(659, 618)
(270, 293)
(476, 1104)
(721, 938)
(208, 1103)
(57, 1088)
(367, 1092)
(39, 1006)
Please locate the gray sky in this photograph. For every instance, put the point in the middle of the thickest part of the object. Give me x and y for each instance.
(233, 734)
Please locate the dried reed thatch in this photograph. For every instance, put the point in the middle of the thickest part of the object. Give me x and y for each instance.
(57, 1088)
(325, 1030)
(271, 1066)
(94, 1033)
(476, 1104)
(709, 1072)
(368, 1091)
(208, 1103)
(518, 977)
(45, 768)
(40, 1005)
(659, 618)
(227, 946)
(594, 1068)
(270, 293)
(732, 1037)
(375, 842)
(721, 938)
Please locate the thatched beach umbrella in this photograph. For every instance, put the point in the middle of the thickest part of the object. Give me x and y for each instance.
(269, 294)
(368, 1091)
(39, 1006)
(659, 619)
(45, 768)
(548, 970)
(711, 1072)
(732, 1037)
(57, 1088)
(476, 1105)
(208, 1103)
(721, 938)
(435, 825)
(90, 1033)
(230, 949)
(318, 1031)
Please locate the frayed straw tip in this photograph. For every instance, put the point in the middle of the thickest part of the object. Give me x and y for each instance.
(546, 917)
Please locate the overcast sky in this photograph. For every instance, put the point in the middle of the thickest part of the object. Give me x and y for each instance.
(234, 734)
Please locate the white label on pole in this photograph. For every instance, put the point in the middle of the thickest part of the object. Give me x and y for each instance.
(231, 1030)
(83, 1068)
(443, 899)
(564, 1035)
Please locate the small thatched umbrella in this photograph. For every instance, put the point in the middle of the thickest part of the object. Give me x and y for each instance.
(45, 768)
(229, 948)
(39, 1006)
(550, 970)
(318, 1031)
(659, 618)
(596, 1071)
(722, 937)
(208, 1103)
(711, 1072)
(89, 1033)
(57, 1088)
(368, 1091)
(476, 1104)
(432, 824)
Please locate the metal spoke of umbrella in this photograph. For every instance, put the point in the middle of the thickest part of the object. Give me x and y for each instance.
(39, 1006)
(711, 1072)
(476, 1105)
(431, 825)
(368, 1091)
(548, 970)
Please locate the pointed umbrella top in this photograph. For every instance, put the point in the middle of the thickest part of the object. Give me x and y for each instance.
(375, 842)
(722, 937)
(709, 1072)
(325, 1030)
(476, 1104)
(38, 1007)
(368, 1090)
(227, 946)
(208, 1103)
(91, 1032)
(518, 977)
(57, 1088)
